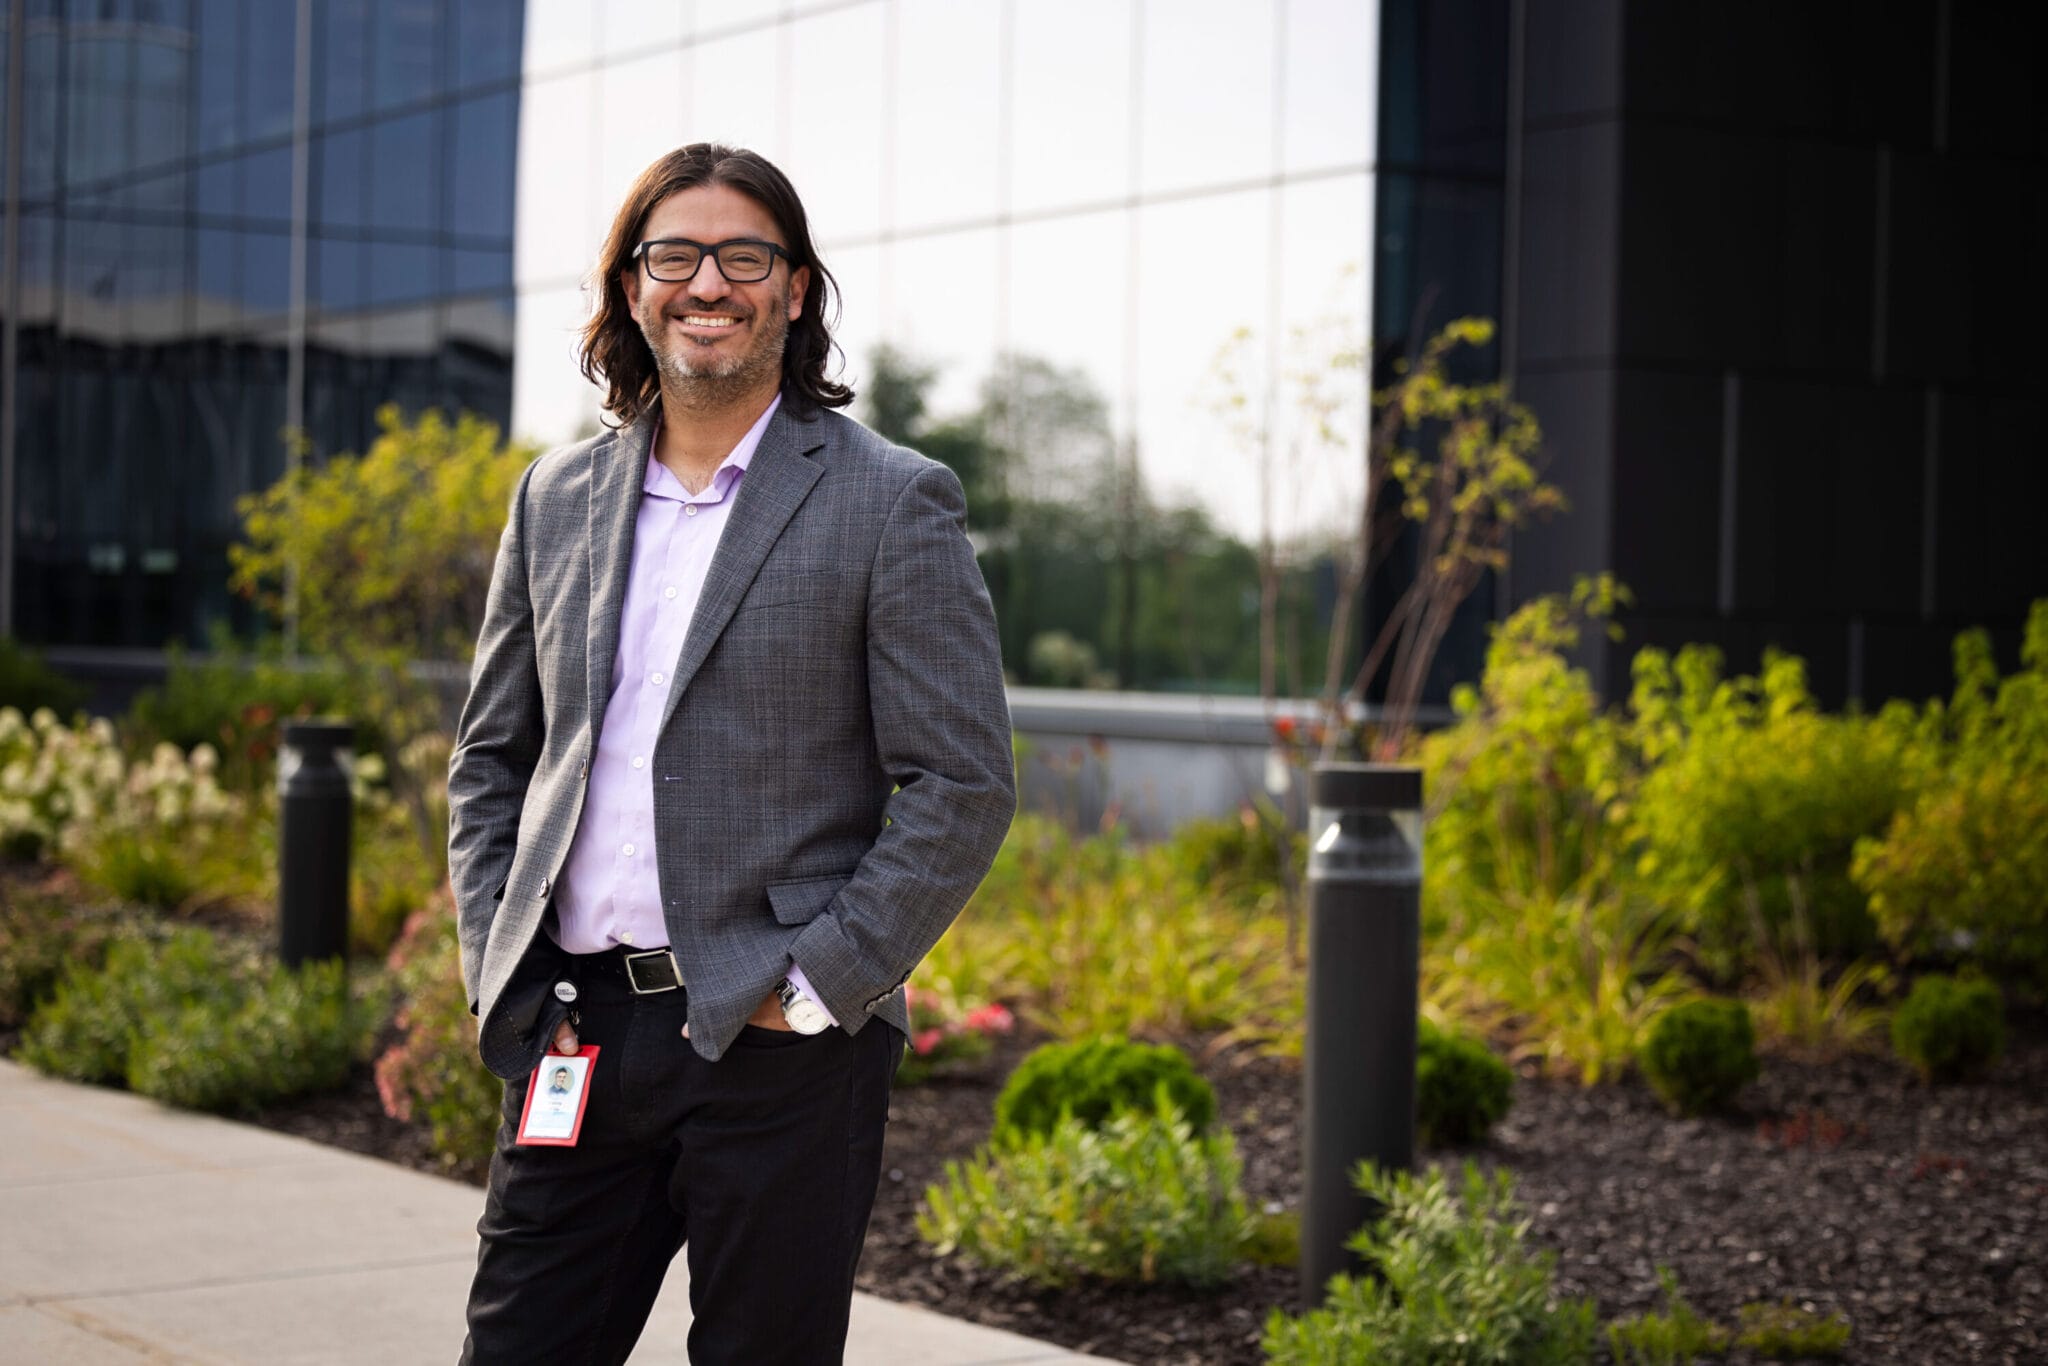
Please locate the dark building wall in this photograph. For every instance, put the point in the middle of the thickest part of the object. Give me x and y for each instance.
(1777, 298)
(1440, 173)
(156, 305)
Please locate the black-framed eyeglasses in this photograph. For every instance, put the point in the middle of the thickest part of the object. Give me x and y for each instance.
(742, 260)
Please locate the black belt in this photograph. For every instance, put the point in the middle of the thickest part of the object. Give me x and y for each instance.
(644, 972)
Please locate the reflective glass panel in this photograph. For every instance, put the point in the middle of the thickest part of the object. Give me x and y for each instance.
(836, 154)
(556, 184)
(218, 51)
(640, 104)
(269, 58)
(340, 184)
(480, 180)
(404, 156)
(559, 34)
(487, 40)
(631, 28)
(734, 95)
(947, 79)
(1331, 78)
(1208, 100)
(405, 35)
(1073, 103)
(343, 59)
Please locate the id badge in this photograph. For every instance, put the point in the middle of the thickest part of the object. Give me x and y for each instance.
(555, 1098)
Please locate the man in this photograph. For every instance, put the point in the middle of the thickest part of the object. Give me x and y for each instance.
(736, 752)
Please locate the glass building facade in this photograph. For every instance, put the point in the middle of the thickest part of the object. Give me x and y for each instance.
(227, 218)
(1110, 186)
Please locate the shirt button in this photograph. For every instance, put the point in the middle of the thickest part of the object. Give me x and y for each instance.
(639, 761)
(655, 679)
(669, 593)
(626, 849)
(690, 510)
(627, 938)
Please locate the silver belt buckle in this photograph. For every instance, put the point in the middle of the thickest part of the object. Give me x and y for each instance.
(635, 961)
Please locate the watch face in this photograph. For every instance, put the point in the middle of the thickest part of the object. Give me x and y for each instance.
(805, 1016)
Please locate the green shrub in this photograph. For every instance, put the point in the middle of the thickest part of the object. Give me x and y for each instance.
(1143, 1198)
(93, 1019)
(1098, 936)
(1961, 874)
(1785, 1332)
(1275, 1238)
(1453, 1284)
(290, 1033)
(198, 1022)
(143, 867)
(391, 876)
(40, 936)
(1753, 801)
(1525, 789)
(1673, 1338)
(1461, 1089)
(1948, 1028)
(238, 702)
(1699, 1054)
(1237, 856)
(433, 1071)
(27, 683)
(1964, 873)
(1096, 1079)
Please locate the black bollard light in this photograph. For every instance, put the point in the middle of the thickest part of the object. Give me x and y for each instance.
(1364, 955)
(315, 811)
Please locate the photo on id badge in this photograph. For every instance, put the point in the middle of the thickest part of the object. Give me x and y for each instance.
(555, 1097)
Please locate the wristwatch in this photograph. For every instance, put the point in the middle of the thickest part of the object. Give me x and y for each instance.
(803, 1014)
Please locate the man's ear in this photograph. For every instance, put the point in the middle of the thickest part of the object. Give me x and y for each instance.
(629, 280)
(799, 282)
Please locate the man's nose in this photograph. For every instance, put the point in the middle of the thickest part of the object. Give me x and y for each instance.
(709, 283)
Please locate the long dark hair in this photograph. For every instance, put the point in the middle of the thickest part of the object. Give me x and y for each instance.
(615, 354)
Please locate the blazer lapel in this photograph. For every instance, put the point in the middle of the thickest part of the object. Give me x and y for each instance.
(778, 479)
(618, 469)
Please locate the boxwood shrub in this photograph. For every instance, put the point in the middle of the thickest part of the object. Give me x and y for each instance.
(1461, 1089)
(1096, 1079)
(1948, 1027)
(1699, 1054)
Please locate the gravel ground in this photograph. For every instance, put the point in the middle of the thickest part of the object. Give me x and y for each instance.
(1917, 1212)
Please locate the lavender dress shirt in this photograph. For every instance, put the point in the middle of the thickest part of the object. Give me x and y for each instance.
(609, 892)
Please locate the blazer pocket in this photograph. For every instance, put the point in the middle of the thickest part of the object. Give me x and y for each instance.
(774, 590)
(800, 900)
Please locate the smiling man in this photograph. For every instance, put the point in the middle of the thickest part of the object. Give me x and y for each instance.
(736, 751)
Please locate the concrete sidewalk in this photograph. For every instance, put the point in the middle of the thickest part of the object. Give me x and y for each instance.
(137, 1233)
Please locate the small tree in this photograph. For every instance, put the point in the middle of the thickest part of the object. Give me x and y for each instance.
(391, 552)
(1480, 483)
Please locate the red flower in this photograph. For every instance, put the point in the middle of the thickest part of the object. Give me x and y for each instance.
(992, 1018)
(1284, 727)
(925, 1040)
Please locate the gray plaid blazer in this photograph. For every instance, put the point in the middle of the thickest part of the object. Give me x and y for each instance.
(844, 646)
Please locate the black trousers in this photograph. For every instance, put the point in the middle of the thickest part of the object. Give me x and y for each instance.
(763, 1164)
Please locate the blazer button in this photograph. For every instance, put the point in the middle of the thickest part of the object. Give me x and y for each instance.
(546, 885)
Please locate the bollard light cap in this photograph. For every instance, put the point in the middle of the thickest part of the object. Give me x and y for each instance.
(321, 734)
(1365, 787)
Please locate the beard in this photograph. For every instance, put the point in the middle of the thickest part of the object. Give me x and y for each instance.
(707, 377)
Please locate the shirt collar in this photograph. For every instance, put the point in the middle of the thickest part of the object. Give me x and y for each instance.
(663, 484)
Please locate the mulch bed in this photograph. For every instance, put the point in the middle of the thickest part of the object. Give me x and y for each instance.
(1919, 1213)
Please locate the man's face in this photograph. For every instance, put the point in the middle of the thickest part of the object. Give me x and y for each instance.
(716, 338)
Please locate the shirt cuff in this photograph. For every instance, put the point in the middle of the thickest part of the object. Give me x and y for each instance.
(803, 984)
